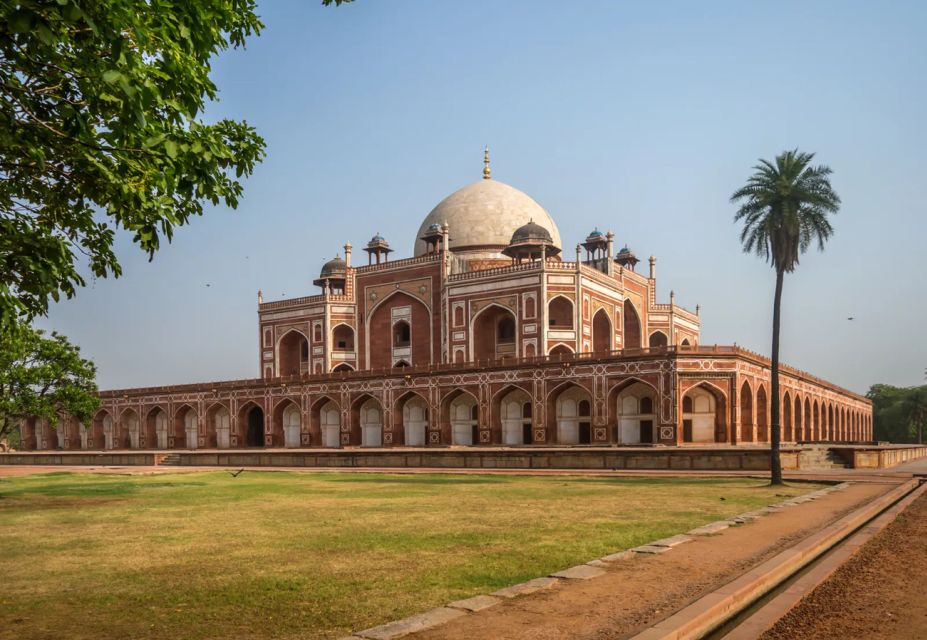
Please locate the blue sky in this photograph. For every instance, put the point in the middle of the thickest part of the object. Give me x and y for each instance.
(638, 118)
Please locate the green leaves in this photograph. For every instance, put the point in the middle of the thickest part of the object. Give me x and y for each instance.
(98, 106)
(45, 377)
(785, 207)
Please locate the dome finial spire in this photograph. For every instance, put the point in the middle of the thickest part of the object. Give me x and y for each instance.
(486, 174)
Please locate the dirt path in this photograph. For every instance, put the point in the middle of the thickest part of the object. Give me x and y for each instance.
(645, 589)
(878, 593)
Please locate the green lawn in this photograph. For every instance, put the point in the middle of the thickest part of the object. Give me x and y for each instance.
(310, 555)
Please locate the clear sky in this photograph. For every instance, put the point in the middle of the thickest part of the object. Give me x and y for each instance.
(642, 119)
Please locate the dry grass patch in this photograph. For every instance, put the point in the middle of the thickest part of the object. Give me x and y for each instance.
(303, 555)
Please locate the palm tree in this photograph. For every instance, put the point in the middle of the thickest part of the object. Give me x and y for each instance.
(784, 208)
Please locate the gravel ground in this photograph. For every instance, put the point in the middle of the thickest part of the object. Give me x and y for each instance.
(881, 592)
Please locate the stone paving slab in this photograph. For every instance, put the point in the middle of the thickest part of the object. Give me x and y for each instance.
(523, 589)
(709, 529)
(673, 541)
(579, 572)
(598, 563)
(412, 624)
(616, 557)
(476, 603)
(649, 548)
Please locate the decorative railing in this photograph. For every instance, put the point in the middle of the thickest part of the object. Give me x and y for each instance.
(404, 262)
(304, 301)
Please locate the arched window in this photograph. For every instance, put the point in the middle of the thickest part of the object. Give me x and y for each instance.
(658, 339)
(402, 334)
(343, 338)
(560, 313)
(458, 316)
(529, 308)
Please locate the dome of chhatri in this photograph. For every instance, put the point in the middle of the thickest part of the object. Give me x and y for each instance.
(336, 267)
(531, 232)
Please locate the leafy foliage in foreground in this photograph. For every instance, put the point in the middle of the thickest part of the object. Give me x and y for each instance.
(43, 376)
(100, 129)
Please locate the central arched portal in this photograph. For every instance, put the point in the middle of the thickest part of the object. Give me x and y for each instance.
(254, 437)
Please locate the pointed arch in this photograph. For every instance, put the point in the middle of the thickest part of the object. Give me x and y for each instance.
(344, 367)
(627, 425)
(157, 428)
(325, 422)
(101, 431)
(366, 421)
(658, 340)
(561, 313)
(381, 321)
(747, 432)
(493, 333)
(762, 414)
(128, 432)
(512, 411)
(292, 353)
(603, 336)
(632, 332)
(703, 414)
(570, 406)
(343, 338)
(788, 434)
(186, 427)
(251, 424)
(561, 350)
(460, 410)
(411, 419)
(217, 426)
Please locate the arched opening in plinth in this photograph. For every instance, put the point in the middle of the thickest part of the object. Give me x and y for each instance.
(816, 421)
(515, 416)
(325, 422)
(831, 428)
(128, 434)
(635, 405)
(746, 413)
(287, 424)
(572, 409)
(413, 421)
(788, 434)
(367, 422)
(462, 413)
(762, 408)
(251, 417)
(185, 431)
(218, 427)
(157, 429)
(703, 415)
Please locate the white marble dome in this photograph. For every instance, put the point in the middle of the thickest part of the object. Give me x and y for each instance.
(483, 216)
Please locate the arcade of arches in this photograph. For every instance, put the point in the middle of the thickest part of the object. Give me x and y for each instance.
(570, 406)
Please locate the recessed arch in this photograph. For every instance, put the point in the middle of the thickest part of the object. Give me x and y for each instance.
(367, 421)
(292, 353)
(703, 414)
(460, 410)
(128, 434)
(251, 424)
(571, 406)
(560, 313)
(493, 333)
(788, 434)
(658, 340)
(762, 413)
(631, 335)
(603, 336)
(412, 417)
(325, 422)
(635, 407)
(186, 427)
(344, 367)
(101, 432)
(747, 433)
(343, 338)
(217, 426)
(381, 322)
(156, 428)
(561, 350)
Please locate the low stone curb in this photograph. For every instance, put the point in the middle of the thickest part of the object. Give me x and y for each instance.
(523, 589)
(713, 609)
(418, 622)
(580, 572)
(476, 603)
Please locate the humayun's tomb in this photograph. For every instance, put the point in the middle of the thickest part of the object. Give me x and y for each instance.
(488, 335)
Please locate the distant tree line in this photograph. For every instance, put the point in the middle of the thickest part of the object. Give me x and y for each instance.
(899, 414)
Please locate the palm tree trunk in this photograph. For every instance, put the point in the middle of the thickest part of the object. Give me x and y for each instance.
(775, 464)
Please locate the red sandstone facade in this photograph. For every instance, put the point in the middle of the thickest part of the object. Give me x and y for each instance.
(477, 341)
